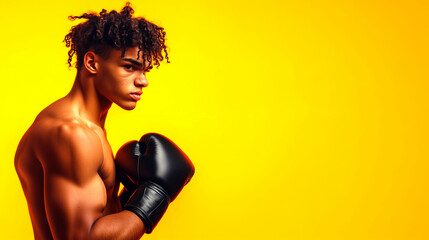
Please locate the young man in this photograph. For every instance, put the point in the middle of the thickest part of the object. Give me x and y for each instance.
(64, 161)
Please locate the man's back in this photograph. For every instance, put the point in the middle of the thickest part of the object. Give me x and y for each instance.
(51, 171)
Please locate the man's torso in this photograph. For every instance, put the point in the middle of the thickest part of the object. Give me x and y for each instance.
(32, 155)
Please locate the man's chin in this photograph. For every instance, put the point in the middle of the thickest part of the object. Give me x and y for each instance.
(128, 107)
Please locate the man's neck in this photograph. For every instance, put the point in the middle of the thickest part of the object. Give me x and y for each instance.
(91, 105)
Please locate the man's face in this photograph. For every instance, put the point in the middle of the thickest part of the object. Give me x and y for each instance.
(121, 79)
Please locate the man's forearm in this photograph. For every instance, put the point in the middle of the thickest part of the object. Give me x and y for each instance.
(122, 225)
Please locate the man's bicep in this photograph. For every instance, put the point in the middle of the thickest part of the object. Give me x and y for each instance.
(71, 208)
(74, 193)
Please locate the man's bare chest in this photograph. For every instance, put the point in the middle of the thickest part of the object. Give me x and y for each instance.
(107, 168)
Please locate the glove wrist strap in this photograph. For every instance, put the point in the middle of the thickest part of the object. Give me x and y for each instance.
(149, 201)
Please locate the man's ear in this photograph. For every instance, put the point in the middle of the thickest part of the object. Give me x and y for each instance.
(90, 62)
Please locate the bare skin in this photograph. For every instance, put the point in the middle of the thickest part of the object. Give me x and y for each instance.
(65, 163)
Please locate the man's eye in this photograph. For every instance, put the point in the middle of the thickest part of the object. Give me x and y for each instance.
(129, 67)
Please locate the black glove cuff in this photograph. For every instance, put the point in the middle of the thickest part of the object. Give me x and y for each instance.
(149, 201)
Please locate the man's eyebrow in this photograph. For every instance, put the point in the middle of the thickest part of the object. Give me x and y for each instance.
(133, 61)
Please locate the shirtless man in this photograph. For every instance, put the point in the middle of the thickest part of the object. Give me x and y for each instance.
(64, 161)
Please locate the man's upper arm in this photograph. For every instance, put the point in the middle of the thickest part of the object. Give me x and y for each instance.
(74, 193)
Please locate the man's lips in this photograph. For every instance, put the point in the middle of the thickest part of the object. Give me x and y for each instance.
(136, 95)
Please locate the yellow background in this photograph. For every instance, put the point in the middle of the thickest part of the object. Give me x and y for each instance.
(304, 119)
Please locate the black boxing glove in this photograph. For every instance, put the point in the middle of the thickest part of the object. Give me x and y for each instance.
(129, 186)
(160, 170)
(127, 191)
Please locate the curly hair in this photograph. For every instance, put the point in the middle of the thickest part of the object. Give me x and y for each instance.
(107, 30)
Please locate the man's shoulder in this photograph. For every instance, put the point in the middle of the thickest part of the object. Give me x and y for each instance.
(65, 140)
(50, 128)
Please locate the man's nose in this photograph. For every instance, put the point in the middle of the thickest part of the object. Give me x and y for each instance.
(141, 81)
